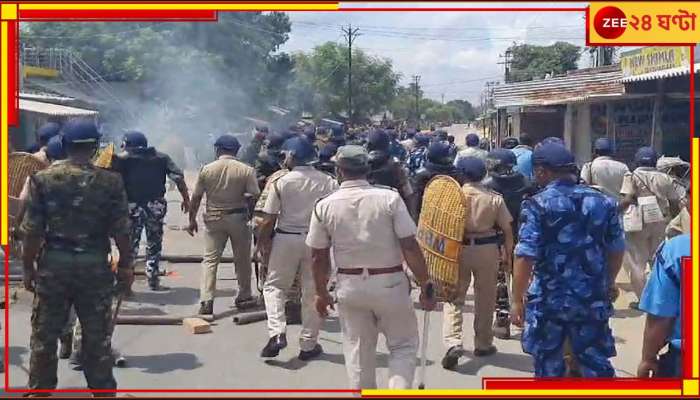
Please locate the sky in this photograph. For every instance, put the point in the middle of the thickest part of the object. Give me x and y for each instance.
(454, 52)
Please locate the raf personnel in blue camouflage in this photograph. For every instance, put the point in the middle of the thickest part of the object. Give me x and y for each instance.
(74, 208)
(572, 243)
(144, 170)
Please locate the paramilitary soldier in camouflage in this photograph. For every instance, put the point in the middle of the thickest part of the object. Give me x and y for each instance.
(74, 208)
(144, 170)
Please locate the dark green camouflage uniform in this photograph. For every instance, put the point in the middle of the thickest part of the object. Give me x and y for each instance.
(75, 209)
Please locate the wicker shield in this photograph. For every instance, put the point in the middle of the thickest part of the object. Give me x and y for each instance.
(20, 166)
(104, 157)
(440, 233)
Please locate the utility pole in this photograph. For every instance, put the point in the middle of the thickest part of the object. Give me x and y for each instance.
(416, 93)
(506, 62)
(350, 36)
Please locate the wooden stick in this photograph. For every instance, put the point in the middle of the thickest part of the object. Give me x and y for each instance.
(250, 317)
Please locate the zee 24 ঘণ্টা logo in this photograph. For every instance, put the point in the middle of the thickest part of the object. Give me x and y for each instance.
(611, 22)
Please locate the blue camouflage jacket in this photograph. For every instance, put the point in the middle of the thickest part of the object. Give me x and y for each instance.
(569, 230)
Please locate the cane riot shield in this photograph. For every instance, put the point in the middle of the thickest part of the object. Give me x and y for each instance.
(20, 166)
(103, 158)
(440, 233)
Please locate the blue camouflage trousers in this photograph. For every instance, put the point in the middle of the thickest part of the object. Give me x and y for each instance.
(591, 343)
(149, 216)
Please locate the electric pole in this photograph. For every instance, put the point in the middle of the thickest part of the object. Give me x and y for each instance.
(350, 36)
(506, 62)
(416, 93)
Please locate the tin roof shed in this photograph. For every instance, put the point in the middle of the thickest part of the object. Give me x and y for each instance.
(577, 85)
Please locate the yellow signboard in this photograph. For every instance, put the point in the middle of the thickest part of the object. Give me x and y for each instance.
(643, 23)
(651, 59)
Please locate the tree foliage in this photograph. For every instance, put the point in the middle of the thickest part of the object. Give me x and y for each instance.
(404, 106)
(320, 82)
(533, 62)
(240, 50)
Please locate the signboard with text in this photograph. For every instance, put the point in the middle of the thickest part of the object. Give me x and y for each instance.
(651, 59)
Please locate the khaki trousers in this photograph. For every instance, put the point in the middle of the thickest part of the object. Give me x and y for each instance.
(481, 261)
(369, 305)
(289, 256)
(641, 248)
(232, 227)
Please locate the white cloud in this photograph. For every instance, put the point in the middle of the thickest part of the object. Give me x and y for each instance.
(442, 47)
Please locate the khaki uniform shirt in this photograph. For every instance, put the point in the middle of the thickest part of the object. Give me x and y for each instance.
(363, 225)
(486, 211)
(293, 197)
(655, 183)
(225, 181)
(605, 173)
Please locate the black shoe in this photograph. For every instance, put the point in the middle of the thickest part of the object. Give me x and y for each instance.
(245, 303)
(449, 361)
(274, 345)
(206, 307)
(485, 352)
(292, 310)
(308, 355)
(66, 348)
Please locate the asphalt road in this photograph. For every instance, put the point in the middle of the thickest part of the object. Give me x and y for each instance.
(228, 357)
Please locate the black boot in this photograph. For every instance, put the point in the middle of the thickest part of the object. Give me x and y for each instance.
(313, 353)
(245, 303)
(206, 307)
(154, 282)
(66, 348)
(274, 345)
(449, 361)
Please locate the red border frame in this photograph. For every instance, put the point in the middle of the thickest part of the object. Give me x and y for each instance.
(211, 15)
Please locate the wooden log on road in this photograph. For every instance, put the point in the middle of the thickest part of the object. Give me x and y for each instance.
(249, 317)
(157, 319)
(190, 259)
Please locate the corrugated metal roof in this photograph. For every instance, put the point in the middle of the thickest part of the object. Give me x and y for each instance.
(577, 85)
(664, 73)
(45, 97)
(54, 109)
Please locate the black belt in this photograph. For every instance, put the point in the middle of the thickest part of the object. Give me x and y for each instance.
(370, 271)
(242, 210)
(481, 241)
(280, 231)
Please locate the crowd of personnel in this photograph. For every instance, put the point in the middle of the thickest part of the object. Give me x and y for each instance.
(330, 215)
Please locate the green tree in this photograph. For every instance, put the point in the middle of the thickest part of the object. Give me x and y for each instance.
(320, 82)
(532, 62)
(240, 49)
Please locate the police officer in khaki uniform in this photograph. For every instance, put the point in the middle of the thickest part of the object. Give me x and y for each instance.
(288, 211)
(646, 181)
(487, 216)
(227, 183)
(371, 233)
